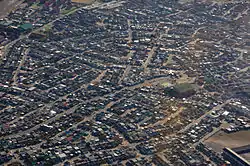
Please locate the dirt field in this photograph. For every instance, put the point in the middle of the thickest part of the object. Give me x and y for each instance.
(221, 139)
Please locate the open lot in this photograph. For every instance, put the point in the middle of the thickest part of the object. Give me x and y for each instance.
(221, 139)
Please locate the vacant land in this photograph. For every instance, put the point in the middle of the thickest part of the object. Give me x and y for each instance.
(232, 140)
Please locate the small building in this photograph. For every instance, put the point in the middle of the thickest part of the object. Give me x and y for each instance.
(26, 27)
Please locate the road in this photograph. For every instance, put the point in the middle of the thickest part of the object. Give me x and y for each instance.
(130, 40)
(126, 72)
(130, 36)
(15, 77)
(150, 55)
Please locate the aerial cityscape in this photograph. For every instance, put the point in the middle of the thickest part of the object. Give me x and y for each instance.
(125, 82)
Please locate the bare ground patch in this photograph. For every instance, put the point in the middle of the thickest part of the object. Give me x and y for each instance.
(232, 140)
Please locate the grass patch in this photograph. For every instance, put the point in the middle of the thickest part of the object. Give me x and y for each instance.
(67, 11)
(166, 84)
(35, 6)
(83, 1)
(46, 28)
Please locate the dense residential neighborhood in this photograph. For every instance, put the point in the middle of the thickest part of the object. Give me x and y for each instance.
(133, 83)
